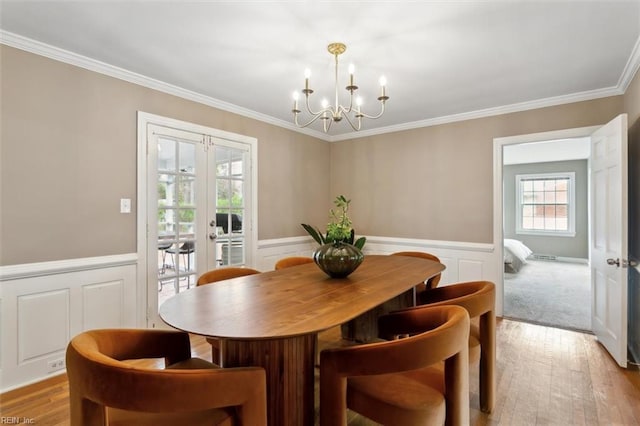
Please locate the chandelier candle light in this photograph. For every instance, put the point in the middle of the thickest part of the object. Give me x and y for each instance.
(330, 113)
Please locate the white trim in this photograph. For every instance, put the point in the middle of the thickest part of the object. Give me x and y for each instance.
(407, 242)
(52, 52)
(283, 242)
(145, 119)
(631, 68)
(39, 48)
(29, 270)
(487, 112)
(449, 245)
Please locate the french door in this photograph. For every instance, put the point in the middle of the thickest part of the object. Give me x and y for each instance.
(198, 206)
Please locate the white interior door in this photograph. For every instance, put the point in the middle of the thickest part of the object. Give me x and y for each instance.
(609, 237)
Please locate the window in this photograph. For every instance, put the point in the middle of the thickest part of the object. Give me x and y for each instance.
(545, 204)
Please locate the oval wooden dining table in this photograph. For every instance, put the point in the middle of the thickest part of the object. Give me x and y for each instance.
(272, 319)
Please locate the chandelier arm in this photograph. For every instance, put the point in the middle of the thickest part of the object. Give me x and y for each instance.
(348, 110)
(311, 121)
(312, 112)
(373, 117)
(346, 115)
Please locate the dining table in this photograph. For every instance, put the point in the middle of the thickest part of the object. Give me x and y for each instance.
(272, 320)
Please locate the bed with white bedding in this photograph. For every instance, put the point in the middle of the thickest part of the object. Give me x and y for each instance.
(515, 255)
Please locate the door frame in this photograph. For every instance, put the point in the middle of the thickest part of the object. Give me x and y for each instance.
(143, 120)
(498, 192)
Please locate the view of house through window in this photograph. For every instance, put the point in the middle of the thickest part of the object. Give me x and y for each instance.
(545, 203)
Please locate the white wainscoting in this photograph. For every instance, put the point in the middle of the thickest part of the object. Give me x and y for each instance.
(464, 261)
(42, 306)
(270, 251)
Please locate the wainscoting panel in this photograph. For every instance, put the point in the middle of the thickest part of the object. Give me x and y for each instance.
(103, 305)
(469, 270)
(42, 306)
(270, 251)
(43, 324)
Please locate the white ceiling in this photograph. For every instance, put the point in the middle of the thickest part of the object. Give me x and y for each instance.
(444, 61)
(545, 151)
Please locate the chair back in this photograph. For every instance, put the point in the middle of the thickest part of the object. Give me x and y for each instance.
(441, 334)
(431, 282)
(479, 299)
(220, 274)
(287, 262)
(101, 378)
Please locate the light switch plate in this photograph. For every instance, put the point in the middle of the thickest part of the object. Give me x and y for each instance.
(125, 205)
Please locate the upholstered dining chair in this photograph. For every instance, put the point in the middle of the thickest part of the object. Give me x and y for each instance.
(478, 298)
(213, 276)
(107, 388)
(396, 381)
(287, 262)
(431, 282)
(226, 273)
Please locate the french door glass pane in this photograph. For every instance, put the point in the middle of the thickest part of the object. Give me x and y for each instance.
(187, 158)
(176, 216)
(230, 205)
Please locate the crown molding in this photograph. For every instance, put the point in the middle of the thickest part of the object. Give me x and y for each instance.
(483, 113)
(39, 48)
(52, 52)
(631, 68)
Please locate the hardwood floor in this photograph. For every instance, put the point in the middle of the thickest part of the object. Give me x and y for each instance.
(546, 376)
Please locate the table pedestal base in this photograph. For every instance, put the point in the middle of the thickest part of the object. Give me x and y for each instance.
(364, 328)
(289, 364)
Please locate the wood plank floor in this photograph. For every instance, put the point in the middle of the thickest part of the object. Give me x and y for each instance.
(546, 376)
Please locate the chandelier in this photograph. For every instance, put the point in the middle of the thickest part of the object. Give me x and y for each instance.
(330, 113)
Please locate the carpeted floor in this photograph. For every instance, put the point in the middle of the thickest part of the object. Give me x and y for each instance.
(550, 293)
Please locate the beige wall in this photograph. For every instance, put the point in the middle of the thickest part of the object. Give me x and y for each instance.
(437, 182)
(68, 154)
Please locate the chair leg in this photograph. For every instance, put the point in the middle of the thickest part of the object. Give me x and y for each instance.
(487, 362)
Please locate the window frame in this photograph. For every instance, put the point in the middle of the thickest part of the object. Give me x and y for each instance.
(571, 204)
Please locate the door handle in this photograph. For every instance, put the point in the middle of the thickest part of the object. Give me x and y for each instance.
(613, 262)
(213, 236)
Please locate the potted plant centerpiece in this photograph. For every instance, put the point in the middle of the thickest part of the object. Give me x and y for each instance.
(338, 254)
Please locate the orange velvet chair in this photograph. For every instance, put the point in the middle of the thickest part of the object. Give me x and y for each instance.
(227, 273)
(431, 282)
(213, 276)
(105, 389)
(287, 262)
(478, 298)
(399, 381)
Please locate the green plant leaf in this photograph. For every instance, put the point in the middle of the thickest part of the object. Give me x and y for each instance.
(315, 234)
(351, 237)
(360, 242)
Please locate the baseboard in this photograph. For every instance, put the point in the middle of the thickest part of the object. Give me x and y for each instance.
(554, 258)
